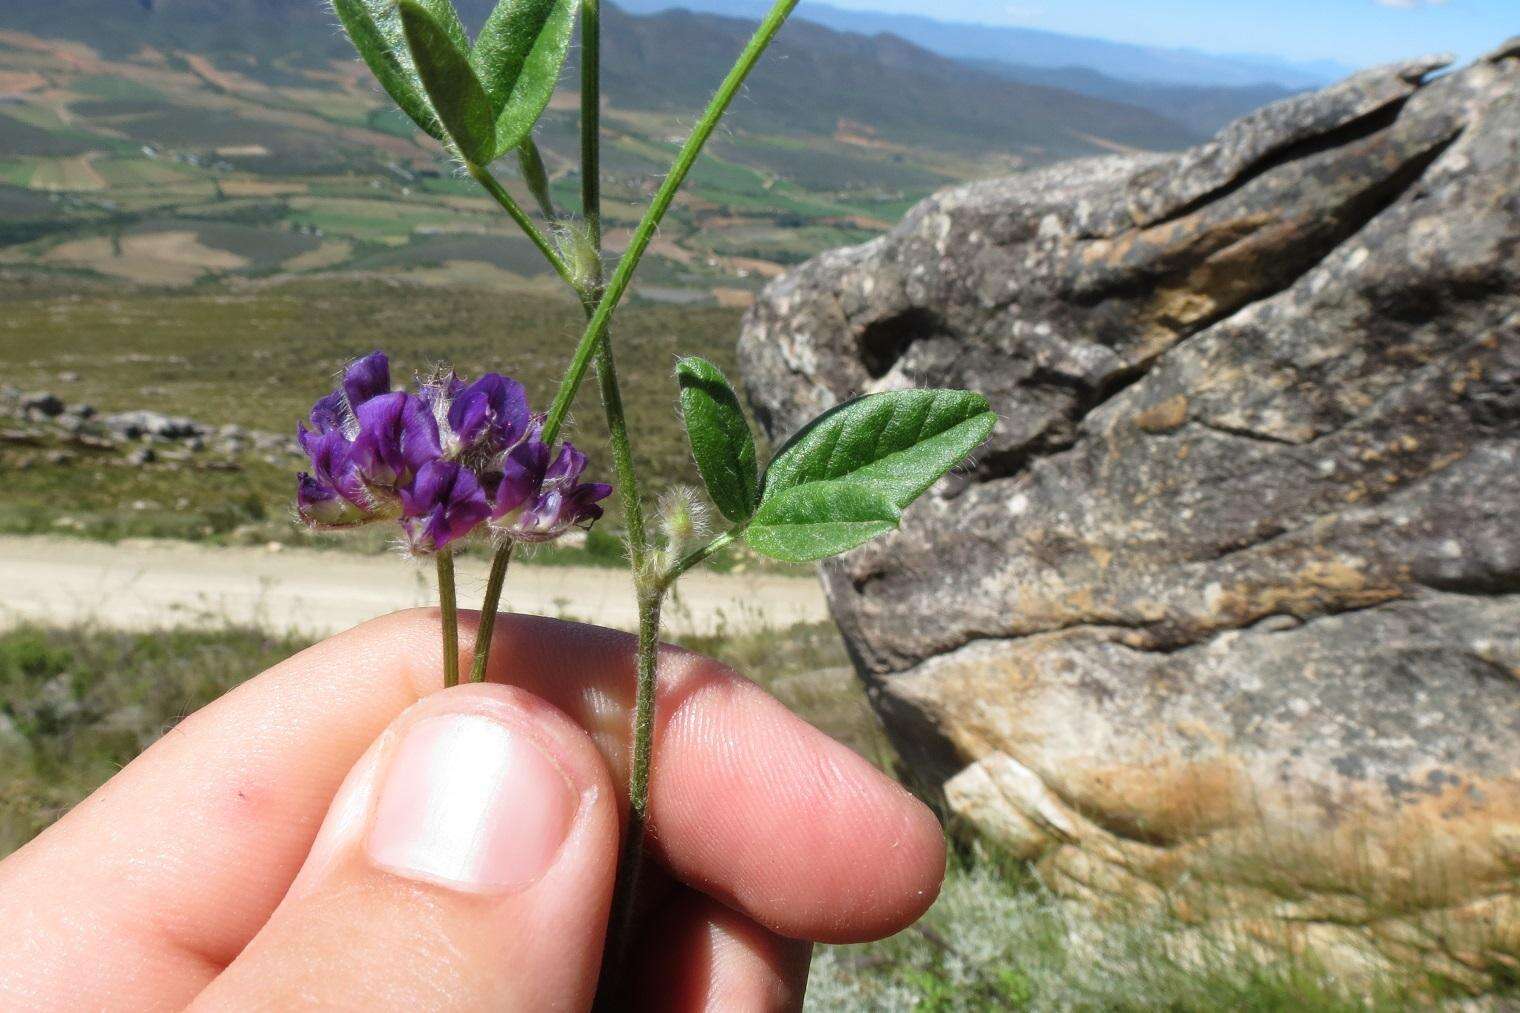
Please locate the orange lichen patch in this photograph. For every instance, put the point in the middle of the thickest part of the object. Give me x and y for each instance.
(1319, 585)
(1165, 416)
(1164, 801)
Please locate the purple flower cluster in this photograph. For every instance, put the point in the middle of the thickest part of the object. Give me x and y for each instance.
(445, 460)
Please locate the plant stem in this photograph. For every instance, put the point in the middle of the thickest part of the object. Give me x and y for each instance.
(591, 123)
(447, 602)
(631, 867)
(488, 609)
(601, 319)
(696, 557)
(493, 187)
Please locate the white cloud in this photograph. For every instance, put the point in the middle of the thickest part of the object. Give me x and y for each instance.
(1409, 5)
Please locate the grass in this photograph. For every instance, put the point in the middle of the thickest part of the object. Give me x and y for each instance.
(76, 704)
(258, 357)
(996, 939)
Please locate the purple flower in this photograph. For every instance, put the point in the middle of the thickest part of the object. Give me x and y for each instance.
(490, 414)
(332, 465)
(447, 458)
(522, 475)
(320, 505)
(397, 436)
(559, 510)
(536, 501)
(439, 390)
(444, 504)
(326, 415)
(366, 379)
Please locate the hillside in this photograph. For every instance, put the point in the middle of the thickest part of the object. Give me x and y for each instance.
(167, 141)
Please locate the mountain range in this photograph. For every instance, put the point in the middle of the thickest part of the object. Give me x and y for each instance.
(893, 89)
(1030, 47)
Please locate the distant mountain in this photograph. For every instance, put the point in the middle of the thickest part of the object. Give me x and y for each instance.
(898, 90)
(1035, 48)
(1203, 110)
(881, 88)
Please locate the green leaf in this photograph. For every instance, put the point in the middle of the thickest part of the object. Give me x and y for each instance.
(720, 438)
(447, 17)
(820, 519)
(456, 93)
(519, 54)
(899, 442)
(375, 30)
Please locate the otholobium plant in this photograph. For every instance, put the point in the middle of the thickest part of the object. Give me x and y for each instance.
(455, 458)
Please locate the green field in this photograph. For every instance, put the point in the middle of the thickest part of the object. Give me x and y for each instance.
(125, 150)
(258, 357)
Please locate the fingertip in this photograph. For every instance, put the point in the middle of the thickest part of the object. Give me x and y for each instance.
(759, 808)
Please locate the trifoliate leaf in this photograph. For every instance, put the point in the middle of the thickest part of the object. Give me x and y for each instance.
(518, 55)
(820, 519)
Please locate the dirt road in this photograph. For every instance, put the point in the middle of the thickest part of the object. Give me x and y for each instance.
(143, 585)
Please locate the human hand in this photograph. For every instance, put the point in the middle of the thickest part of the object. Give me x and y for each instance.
(468, 841)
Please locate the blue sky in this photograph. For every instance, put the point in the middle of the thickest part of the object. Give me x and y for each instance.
(1356, 32)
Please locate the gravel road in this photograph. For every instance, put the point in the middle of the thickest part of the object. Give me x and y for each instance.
(149, 584)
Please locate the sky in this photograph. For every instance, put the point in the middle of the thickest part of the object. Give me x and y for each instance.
(1355, 32)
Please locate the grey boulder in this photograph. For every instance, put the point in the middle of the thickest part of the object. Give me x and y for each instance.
(1226, 615)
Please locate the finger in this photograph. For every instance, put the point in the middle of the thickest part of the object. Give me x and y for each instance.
(699, 955)
(747, 802)
(154, 884)
(467, 863)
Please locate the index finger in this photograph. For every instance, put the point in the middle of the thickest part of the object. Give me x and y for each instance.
(156, 882)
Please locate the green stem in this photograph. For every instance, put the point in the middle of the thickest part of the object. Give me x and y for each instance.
(631, 867)
(667, 579)
(591, 122)
(622, 458)
(447, 602)
(493, 187)
(488, 609)
(601, 318)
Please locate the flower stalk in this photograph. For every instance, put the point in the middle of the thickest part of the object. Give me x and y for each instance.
(448, 604)
(489, 607)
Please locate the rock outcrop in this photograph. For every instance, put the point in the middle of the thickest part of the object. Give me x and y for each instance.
(1226, 616)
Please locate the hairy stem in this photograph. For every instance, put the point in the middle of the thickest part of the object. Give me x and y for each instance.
(591, 122)
(514, 210)
(448, 603)
(488, 609)
(622, 277)
(631, 867)
(696, 557)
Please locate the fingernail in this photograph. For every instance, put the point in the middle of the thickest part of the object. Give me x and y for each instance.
(470, 803)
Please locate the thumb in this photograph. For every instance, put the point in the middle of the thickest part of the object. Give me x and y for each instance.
(466, 863)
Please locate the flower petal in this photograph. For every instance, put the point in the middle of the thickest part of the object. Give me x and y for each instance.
(366, 379)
